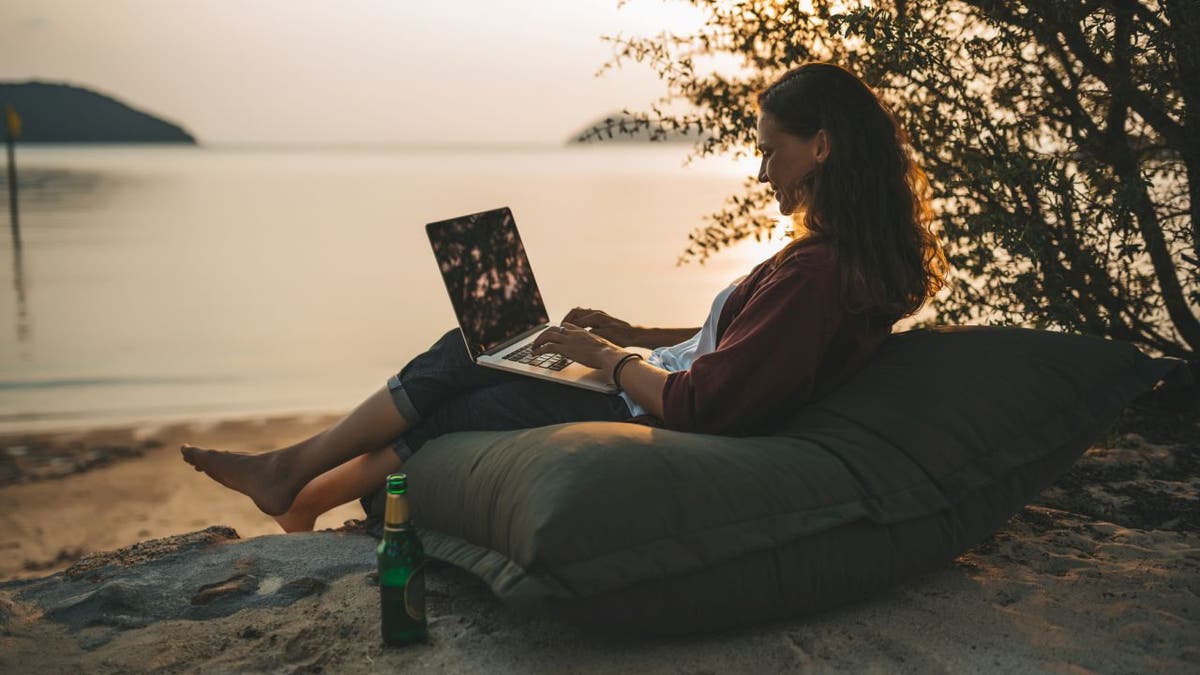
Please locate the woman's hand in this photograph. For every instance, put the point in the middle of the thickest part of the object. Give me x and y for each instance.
(578, 344)
(608, 327)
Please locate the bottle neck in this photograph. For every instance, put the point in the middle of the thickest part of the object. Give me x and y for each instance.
(395, 514)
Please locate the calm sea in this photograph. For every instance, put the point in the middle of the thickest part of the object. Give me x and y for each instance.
(168, 283)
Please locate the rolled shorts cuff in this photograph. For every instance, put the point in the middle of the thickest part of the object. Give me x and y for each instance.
(400, 447)
(403, 403)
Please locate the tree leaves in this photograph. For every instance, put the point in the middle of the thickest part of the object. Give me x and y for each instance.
(1052, 131)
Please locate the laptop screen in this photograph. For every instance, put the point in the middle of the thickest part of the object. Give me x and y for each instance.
(488, 277)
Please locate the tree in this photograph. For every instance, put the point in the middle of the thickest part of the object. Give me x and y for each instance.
(1061, 137)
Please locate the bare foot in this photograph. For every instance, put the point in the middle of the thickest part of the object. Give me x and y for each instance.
(259, 477)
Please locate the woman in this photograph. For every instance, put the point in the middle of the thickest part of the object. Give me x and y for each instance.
(788, 332)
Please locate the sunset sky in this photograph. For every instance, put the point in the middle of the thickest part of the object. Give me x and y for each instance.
(312, 72)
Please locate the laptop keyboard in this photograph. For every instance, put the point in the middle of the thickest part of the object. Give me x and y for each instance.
(552, 361)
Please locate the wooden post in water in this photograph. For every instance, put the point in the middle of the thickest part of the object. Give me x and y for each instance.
(13, 132)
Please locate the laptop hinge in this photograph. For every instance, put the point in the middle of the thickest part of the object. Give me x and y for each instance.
(513, 340)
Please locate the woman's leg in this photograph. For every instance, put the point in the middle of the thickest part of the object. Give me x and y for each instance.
(343, 483)
(522, 403)
(273, 479)
(518, 404)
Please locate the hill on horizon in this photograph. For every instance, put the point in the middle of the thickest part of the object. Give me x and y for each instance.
(65, 113)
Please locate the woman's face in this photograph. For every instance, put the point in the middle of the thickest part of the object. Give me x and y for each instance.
(787, 160)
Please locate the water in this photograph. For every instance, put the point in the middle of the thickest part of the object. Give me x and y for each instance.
(170, 283)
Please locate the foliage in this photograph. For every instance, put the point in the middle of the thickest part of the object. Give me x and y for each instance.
(1056, 134)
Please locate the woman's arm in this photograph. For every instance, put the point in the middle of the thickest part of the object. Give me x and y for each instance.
(644, 383)
(769, 356)
(625, 334)
(652, 338)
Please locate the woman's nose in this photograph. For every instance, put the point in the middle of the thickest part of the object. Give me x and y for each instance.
(762, 173)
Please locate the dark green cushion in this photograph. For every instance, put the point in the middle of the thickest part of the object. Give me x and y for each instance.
(930, 448)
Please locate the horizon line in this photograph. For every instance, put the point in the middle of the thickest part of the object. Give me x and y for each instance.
(366, 146)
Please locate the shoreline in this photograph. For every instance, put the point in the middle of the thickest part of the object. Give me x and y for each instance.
(116, 422)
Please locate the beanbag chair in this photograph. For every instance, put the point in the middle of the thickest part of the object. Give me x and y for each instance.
(931, 447)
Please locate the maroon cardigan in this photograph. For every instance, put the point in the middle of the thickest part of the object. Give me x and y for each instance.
(782, 340)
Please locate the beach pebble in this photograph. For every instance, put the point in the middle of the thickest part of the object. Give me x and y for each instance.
(270, 585)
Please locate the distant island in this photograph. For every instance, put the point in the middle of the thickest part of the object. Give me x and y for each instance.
(613, 122)
(62, 113)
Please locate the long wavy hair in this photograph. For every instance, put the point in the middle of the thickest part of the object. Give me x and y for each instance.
(868, 199)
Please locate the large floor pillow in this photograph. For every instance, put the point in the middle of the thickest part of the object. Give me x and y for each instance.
(942, 437)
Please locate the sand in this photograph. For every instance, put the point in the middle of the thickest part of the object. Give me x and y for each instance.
(47, 524)
(1101, 574)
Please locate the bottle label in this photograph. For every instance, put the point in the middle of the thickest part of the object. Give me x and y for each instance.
(414, 594)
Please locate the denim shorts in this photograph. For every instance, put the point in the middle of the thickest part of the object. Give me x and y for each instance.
(443, 390)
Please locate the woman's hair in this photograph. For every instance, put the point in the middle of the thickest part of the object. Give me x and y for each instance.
(868, 199)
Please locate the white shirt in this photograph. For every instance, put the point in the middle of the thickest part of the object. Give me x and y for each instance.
(681, 356)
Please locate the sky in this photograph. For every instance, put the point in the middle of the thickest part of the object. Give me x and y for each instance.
(323, 72)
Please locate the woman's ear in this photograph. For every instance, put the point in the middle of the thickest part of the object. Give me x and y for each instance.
(822, 146)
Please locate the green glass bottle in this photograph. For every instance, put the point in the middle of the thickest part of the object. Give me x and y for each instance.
(401, 570)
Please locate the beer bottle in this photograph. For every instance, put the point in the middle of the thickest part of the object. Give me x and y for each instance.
(401, 570)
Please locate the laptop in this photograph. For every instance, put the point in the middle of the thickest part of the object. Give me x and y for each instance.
(499, 307)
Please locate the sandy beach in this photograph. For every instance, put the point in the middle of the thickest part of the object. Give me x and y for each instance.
(1101, 574)
(65, 494)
